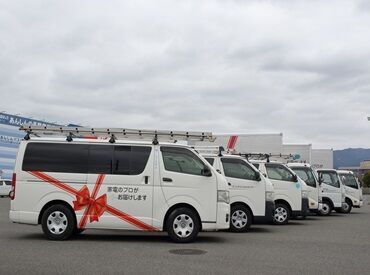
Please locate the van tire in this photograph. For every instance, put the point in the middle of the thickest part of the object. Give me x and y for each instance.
(187, 224)
(237, 218)
(347, 209)
(282, 214)
(58, 217)
(326, 209)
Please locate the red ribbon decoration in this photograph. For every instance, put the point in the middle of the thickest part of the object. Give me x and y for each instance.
(94, 207)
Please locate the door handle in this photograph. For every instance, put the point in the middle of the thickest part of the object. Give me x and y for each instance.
(167, 179)
(146, 179)
(229, 183)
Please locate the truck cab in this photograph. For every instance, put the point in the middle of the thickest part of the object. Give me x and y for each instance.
(353, 191)
(305, 172)
(291, 197)
(332, 191)
(251, 193)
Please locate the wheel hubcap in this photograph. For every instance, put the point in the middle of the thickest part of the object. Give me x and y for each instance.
(183, 225)
(325, 209)
(281, 214)
(57, 222)
(345, 206)
(239, 219)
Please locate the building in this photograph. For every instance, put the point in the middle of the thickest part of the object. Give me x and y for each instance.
(300, 152)
(10, 137)
(322, 158)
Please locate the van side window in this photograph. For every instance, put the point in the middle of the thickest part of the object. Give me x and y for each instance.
(100, 159)
(237, 168)
(130, 160)
(210, 160)
(181, 160)
(278, 172)
(349, 180)
(330, 178)
(53, 157)
(81, 158)
(8, 182)
(306, 175)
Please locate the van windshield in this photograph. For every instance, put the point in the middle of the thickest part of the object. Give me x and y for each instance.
(277, 171)
(349, 180)
(306, 175)
(330, 178)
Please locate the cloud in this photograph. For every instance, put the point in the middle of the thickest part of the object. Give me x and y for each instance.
(297, 67)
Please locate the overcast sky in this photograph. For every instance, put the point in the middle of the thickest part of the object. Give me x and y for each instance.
(297, 67)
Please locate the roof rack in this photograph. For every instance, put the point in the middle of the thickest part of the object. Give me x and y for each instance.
(113, 133)
(211, 150)
(264, 156)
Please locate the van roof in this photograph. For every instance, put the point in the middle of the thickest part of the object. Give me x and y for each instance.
(344, 172)
(298, 164)
(99, 141)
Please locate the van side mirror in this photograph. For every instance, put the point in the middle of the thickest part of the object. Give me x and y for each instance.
(206, 172)
(320, 180)
(258, 177)
(295, 178)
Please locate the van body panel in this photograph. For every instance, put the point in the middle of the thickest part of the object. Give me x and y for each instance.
(289, 191)
(133, 200)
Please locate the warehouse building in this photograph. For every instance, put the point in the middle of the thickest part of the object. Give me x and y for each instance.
(10, 137)
(273, 144)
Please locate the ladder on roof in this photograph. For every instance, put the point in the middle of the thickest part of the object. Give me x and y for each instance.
(263, 156)
(114, 133)
(209, 150)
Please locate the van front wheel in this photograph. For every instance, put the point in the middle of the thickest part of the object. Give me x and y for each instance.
(183, 225)
(241, 218)
(58, 222)
(281, 214)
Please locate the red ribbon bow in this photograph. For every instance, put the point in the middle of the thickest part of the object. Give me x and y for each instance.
(95, 207)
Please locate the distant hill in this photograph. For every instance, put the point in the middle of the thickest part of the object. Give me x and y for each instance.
(350, 157)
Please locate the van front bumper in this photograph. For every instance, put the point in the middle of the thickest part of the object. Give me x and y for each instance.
(358, 204)
(304, 210)
(223, 218)
(269, 213)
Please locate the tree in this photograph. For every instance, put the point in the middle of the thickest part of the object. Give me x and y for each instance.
(366, 180)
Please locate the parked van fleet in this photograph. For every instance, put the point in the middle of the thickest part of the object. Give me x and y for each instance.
(251, 194)
(332, 191)
(305, 172)
(5, 187)
(353, 191)
(291, 195)
(69, 186)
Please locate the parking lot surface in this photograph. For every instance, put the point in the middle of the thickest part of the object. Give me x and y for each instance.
(339, 244)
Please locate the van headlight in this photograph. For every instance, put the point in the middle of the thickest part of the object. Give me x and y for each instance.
(223, 196)
(270, 196)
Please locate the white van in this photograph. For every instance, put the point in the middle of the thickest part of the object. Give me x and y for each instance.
(251, 194)
(353, 191)
(305, 172)
(5, 187)
(332, 191)
(291, 195)
(69, 186)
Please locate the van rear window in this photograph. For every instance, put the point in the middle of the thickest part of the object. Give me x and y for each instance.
(81, 158)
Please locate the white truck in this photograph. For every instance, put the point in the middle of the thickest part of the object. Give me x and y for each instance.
(251, 193)
(332, 191)
(116, 179)
(353, 189)
(305, 172)
(291, 194)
